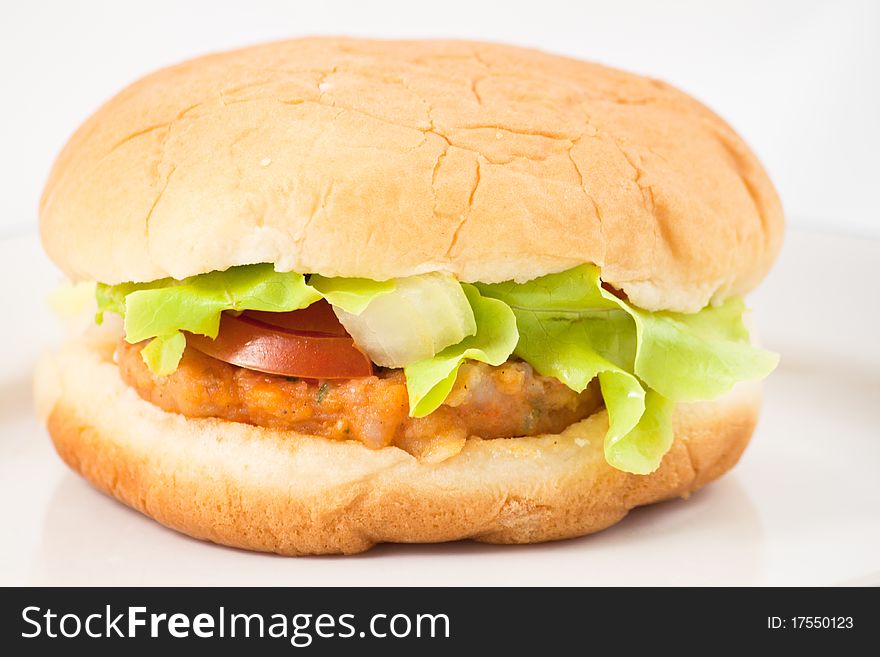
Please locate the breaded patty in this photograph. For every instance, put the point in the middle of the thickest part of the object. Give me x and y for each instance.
(488, 402)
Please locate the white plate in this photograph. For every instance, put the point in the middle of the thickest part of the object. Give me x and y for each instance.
(803, 506)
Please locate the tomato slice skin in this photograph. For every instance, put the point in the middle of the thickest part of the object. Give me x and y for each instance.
(250, 342)
(317, 318)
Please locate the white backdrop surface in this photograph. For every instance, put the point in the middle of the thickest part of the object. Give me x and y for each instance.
(799, 80)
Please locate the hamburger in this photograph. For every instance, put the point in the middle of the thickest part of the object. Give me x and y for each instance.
(353, 291)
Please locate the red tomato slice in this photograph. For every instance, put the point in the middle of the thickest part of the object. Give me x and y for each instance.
(307, 345)
(317, 318)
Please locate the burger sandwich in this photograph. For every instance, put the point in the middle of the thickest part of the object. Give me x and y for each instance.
(354, 291)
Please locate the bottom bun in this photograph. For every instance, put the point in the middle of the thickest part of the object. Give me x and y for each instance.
(294, 494)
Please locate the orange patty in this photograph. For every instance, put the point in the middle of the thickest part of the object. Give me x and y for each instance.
(488, 402)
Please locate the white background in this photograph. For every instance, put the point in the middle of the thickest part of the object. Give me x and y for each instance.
(799, 80)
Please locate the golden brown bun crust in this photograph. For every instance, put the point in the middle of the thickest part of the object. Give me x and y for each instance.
(379, 159)
(275, 491)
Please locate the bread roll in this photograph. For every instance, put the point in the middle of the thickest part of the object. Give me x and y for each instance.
(380, 159)
(276, 491)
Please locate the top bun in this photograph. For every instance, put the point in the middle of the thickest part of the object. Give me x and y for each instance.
(378, 159)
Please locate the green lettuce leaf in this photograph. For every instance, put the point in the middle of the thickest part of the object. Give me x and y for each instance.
(700, 356)
(419, 318)
(195, 303)
(111, 298)
(640, 449)
(353, 295)
(162, 309)
(164, 352)
(430, 381)
(573, 329)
